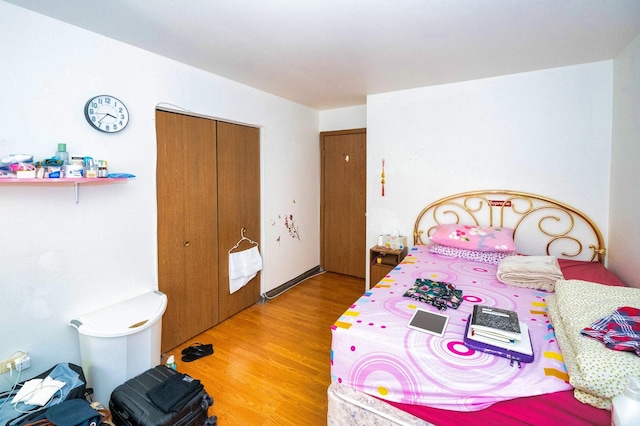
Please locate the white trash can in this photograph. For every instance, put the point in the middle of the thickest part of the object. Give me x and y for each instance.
(120, 341)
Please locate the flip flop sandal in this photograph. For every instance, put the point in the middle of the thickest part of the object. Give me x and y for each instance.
(195, 347)
(198, 352)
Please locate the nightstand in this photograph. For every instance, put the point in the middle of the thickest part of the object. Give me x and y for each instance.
(383, 260)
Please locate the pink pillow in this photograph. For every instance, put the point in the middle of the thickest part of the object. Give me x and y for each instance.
(479, 238)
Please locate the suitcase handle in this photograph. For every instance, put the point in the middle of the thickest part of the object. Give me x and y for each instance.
(125, 413)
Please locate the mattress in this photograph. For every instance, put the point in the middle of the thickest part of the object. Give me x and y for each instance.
(349, 407)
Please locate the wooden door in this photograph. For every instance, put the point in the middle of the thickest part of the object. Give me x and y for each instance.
(238, 208)
(343, 202)
(187, 225)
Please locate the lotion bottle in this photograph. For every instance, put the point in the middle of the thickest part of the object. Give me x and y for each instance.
(62, 154)
(625, 408)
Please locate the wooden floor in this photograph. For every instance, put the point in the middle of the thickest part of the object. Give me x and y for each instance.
(271, 361)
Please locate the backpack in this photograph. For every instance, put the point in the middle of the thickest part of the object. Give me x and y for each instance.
(21, 413)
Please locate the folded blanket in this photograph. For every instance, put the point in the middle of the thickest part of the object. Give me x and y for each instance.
(596, 372)
(537, 272)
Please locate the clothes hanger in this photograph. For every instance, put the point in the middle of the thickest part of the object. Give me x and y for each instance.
(241, 240)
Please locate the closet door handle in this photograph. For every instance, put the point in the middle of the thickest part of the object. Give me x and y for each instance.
(187, 243)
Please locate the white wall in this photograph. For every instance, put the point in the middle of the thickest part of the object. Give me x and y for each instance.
(343, 118)
(545, 132)
(58, 259)
(624, 231)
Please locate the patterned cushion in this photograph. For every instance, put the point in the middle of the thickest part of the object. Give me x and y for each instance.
(490, 257)
(479, 238)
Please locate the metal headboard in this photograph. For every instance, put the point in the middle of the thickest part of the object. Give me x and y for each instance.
(542, 226)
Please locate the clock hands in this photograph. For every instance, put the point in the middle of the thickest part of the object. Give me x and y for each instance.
(105, 116)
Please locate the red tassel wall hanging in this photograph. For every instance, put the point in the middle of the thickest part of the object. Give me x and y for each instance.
(382, 181)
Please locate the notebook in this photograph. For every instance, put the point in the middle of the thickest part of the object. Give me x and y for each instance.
(496, 322)
(517, 352)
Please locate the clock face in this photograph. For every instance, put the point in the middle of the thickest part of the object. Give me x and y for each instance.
(106, 113)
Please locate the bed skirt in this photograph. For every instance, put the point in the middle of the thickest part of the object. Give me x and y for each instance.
(349, 407)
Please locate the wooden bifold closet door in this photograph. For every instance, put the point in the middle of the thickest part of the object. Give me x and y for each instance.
(208, 189)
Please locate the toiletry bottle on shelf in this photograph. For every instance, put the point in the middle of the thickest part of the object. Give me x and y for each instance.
(62, 154)
(103, 172)
(625, 408)
(90, 168)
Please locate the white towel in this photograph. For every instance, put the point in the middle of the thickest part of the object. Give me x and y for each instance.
(538, 272)
(243, 266)
(38, 391)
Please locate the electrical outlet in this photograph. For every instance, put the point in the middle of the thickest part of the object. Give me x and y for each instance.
(23, 363)
(9, 364)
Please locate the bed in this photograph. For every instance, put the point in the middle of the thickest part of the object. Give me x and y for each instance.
(385, 373)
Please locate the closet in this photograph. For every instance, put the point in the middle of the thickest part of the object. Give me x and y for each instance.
(208, 191)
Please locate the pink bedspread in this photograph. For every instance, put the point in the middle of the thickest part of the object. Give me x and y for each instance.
(374, 352)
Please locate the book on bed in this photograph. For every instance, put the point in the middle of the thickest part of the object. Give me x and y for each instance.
(518, 351)
(495, 323)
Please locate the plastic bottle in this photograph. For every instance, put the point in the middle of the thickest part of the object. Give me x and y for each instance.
(171, 362)
(625, 409)
(90, 168)
(62, 154)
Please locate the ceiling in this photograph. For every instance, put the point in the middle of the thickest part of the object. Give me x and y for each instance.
(332, 53)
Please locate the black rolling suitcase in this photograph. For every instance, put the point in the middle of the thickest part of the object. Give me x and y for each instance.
(131, 405)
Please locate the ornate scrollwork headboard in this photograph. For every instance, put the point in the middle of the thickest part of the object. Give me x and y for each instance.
(542, 226)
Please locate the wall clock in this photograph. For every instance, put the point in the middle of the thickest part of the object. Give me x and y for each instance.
(106, 113)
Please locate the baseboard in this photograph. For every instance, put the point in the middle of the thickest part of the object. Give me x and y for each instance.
(291, 283)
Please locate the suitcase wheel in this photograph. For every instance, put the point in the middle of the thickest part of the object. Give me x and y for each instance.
(211, 421)
(206, 402)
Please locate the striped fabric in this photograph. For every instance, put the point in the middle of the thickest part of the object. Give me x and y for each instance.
(619, 331)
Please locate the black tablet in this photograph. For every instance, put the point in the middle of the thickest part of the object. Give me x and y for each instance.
(429, 322)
